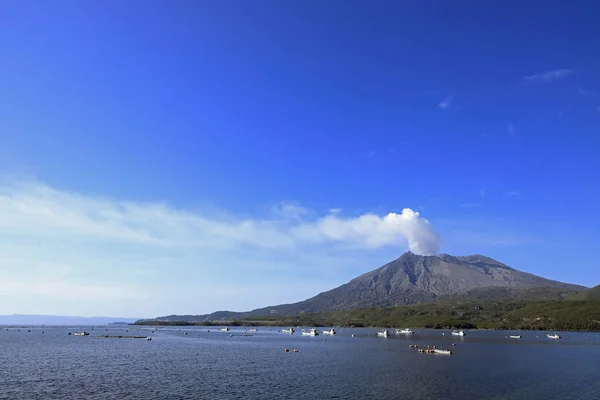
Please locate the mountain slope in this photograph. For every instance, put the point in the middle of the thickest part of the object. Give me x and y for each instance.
(587, 295)
(414, 279)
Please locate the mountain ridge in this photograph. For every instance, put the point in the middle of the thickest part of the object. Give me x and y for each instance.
(410, 279)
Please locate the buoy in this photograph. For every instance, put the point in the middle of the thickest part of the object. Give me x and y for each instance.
(353, 335)
(295, 350)
(185, 333)
(69, 333)
(286, 350)
(453, 344)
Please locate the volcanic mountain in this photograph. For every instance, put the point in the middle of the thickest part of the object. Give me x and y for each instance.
(412, 279)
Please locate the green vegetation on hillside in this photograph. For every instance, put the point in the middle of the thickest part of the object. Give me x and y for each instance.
(469, 314)
(592, 294)
(486, 314)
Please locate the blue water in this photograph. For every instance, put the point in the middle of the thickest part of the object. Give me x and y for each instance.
(208, 365)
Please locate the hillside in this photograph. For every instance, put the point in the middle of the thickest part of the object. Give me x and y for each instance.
(413, 279)
(472, 314)
(592, 294)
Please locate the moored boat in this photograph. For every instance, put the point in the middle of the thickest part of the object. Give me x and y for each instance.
(290, 331)
(329, 332)
(226, 329)
(383, 333)
(83, 333)
(311, 332)
(440, 351)
(459, 333)
(554, 336)
(404, 332)
(515, 336)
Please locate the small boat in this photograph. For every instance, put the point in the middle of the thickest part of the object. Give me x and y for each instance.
(554, 336)
(312, 332)
(253, 330)
(148, 338)
(290, 331)
(329, 332)
(440, 351)
(383, 333)
(404, 332)
(83, 333)
(459, 333)
(515, 336)
(226, 329)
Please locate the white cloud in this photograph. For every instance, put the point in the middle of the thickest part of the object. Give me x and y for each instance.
(549, 76)
(292, 210)
(87, 255)
(372, 231)
(444, 104)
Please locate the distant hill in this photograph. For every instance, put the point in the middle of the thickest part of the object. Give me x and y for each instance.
(24, 319)
(412, 279)
(587, 295)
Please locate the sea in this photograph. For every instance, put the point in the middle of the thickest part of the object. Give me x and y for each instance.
(205, 363)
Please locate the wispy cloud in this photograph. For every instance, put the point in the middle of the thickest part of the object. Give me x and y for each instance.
(482, 191)
(85, 255)
(511, 129)
(289, 210)
(369, 154)
(513, 193)
(549, 76)
(445, 103)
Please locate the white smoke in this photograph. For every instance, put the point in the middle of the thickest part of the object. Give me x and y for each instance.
(373, 231)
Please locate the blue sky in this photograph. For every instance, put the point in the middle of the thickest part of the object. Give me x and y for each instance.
(189, 156)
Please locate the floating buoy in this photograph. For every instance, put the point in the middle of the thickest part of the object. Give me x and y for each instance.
(453, 344)
(353, 335)
(286, 350)
(69, 333)
(295, 350)
(185, 333)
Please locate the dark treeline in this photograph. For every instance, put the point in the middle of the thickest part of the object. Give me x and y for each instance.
(471, 314)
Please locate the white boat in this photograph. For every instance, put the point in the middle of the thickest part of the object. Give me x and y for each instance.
(312, 332)
(226, 329)
(330, 332)
(459, 333)
(515, 336)
(555, 336)
(290, 331)
(383, 333)
(404, 332)
(440, 351)
(84, 333)
(253, 330)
